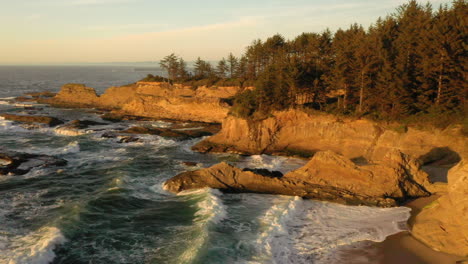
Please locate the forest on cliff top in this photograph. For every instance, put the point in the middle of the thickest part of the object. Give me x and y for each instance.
(410, 64)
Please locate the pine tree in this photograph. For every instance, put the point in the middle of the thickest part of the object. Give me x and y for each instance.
(202, 69)
(222, 68)
(182, 73)
(171, 64)
(232, 65)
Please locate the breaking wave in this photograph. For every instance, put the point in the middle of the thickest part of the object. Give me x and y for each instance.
(305, 231)
(34, 248)
(211, 211)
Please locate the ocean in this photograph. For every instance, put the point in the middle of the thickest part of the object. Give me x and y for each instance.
(107, 205)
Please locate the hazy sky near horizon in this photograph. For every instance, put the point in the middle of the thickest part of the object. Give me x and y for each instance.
(83, 31)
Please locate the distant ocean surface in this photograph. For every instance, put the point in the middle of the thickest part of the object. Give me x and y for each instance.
(16, 80)
(107, 204)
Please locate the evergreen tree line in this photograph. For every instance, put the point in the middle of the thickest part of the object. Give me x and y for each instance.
(413, 61)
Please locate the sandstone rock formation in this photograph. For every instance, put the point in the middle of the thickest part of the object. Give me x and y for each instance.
(328, 176)
(296, 132)
(393, 177)
(74, 95)
(50, 121)
(443, 225)
(151, 99)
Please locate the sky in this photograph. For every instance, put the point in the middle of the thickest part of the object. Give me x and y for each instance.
(92, 31)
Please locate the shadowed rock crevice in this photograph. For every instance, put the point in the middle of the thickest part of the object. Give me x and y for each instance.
(438, 162)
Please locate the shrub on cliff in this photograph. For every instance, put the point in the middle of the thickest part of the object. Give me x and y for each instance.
(245, 104)
(154, 78)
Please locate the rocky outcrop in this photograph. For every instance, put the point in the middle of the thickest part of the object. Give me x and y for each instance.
(151, 99)
(50, 121)
(74, 95)
(296, 132)
(231, 179)
(179, 108)
(443, 224)
(12, 163)
(328, 176)
(393, 177)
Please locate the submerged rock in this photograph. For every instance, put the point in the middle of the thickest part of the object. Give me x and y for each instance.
(73, 128)
(82, 124)
(41, 94)
(22, 163)
(128, 139)
(190, 163)
(443, 224)
(50, 121)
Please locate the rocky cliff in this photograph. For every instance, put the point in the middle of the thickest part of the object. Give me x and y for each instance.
(328, 176)
(443, 225)
(294, 131)
(151, 99)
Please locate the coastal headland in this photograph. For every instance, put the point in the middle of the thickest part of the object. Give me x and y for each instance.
(352, 161)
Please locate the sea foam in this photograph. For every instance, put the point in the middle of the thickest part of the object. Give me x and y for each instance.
(34, 248)
(272, 163)
(211, 211)
(305, 231)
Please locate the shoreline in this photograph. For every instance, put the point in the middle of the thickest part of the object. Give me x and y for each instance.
(398, 248)
(403, 248)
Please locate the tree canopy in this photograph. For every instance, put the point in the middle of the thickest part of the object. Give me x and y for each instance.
(412, 61)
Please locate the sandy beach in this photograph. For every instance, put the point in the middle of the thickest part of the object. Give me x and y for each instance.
(403, 248)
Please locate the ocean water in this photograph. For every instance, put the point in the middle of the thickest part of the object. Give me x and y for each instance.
(107, 204)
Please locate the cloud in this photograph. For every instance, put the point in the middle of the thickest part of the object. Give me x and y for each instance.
(211, 41)
(124, 27)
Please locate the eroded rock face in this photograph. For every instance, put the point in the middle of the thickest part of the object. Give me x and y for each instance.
(231, 179)
(443, 225)
(328, 176)
(12, 163)
(394, 177)
(74, 95)
(50, 121)
(151, 99)
(295, 132)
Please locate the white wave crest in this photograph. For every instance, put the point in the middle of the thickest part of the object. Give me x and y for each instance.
(211, 210)
(69, 132)
(275, 225)
(72, 147)
(303, 231)
(212, 207)
(34, 248)
(272, 163)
